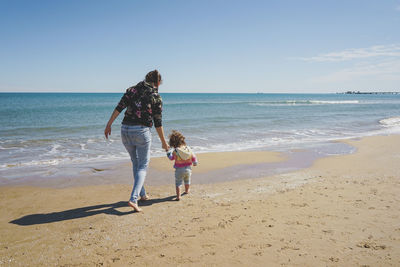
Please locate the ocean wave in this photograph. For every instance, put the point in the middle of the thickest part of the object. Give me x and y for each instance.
(206, 102)
(48, 162)
(275, 140)
(46, 131)
(265, 103)
(62, 161)
(304, 102)
(278, 140)
(334, 102)
(6, 148)
(54, 149)
(390, 122)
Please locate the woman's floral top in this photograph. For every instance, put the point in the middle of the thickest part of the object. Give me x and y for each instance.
(144, 105)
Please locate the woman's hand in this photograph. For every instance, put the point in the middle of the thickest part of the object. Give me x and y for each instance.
(107, 131)
(165, 146)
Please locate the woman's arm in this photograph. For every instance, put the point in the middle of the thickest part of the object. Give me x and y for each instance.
(160, 132)
(107, 130)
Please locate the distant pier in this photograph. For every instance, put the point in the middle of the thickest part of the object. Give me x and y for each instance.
(369, 93)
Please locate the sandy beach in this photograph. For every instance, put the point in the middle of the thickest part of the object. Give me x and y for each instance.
(341, 211)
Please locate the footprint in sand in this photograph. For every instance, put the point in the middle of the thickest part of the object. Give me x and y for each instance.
(370, 245)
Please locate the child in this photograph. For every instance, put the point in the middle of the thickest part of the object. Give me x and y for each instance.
(184, 158)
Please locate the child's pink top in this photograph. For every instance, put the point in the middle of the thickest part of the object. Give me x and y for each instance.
(183, 157)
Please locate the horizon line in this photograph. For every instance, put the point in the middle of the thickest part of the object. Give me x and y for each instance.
(71, 92)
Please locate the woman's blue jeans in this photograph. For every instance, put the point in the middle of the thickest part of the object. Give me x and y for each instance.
(137, 141)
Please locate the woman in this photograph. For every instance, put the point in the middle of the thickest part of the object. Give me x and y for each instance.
(144, 106)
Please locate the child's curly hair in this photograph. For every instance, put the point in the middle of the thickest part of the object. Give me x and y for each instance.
(176, 139)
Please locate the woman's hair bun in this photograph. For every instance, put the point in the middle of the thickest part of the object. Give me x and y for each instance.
(153, 77)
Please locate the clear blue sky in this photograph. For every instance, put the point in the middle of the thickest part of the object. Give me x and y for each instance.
(200, 46)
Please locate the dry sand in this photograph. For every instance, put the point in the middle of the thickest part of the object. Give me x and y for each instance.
(343, 211)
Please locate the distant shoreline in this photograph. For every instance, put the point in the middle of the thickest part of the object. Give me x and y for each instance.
(186, 93)
(369, 93)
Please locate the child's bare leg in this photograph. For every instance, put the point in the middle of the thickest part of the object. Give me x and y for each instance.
(187, 188)
(178, 193)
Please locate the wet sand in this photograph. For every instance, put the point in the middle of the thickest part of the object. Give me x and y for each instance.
(213, 167)
(341, 211)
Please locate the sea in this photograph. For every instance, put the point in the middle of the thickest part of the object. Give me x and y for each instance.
(42, 134)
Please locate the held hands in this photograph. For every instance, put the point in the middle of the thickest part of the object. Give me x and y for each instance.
(165, 146)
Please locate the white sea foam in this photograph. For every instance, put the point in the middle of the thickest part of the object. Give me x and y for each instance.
(98, 150)
(334, 102)
(50, 162)
(390, 122)
(303, 102)
(65, 160)
(54, 149)
(293, 139)
(278, 102)
(6, 148)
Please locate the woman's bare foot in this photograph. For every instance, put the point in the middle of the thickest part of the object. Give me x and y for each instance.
(178, 198)
(134, 206)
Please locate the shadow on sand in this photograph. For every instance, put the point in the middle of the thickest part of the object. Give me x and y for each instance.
(110, 209)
